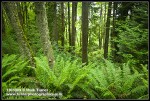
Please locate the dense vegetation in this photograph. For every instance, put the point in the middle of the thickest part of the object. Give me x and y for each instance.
(75, 50)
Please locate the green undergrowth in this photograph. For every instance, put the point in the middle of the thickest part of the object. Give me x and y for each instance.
(72, 80)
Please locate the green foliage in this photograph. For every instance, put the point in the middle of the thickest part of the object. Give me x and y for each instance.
(138, 9)
(13, 71)
(33, 35)
(103, 80)
(96, 56)
(111, 82)
(8, 39)
(64, 76)
(133, 35)
(43, 72)
(133, 42)
(12, 68)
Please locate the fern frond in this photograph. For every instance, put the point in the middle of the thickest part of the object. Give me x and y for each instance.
(8, 74)
(109, 95)
(43, 73)
(13, 78)
(20, 65)
(78, 79)
(128, 83)
(64, 75)
(146, 97)
(139, 89)
(90, 92)
(8, 59)
(145, 82)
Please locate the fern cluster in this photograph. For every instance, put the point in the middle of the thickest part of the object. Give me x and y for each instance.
(64, 77)
(103, 80)
(14, 70)
(111, 82)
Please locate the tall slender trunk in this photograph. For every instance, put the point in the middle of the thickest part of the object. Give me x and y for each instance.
(80, 39)
(104, 35)
(116, 48)
(3, 24)
(113, 32)
(84, 32)
(55, 30)
(11, 11)
(69, 31)
(3, 29)
(74, 16)
(91, 29)
(107, 31)
(20, 13)
(26, 13)
(62, 24)
(42, 24)
(100, 36)
(26, 17)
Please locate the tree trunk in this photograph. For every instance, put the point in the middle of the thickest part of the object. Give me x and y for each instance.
(90, 29)
(74, 16)
(51, 18)
(20, 13)
(42, 24)
(11, 11)
(55, 31)
(80, 39)
(3, 24)
(62, 24)
(104, 33)
(107, 31)
(113, 33)
(84, 32)
(26, 14)
(3, 30)
(69, 31)
(100, 36)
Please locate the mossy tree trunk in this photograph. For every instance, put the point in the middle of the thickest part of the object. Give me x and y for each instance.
(42, 24)
(11, 11)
